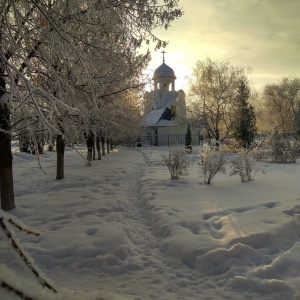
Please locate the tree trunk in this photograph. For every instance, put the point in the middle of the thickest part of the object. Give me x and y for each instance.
(50, 147)
(218, 143)
(7, 187)
(90, 144)
(98, 147)
(60, 155)
(6, 171)
(107, 146)
(94, 148)
(103, 145)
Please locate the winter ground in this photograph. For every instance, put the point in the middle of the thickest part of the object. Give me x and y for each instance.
(122, 229)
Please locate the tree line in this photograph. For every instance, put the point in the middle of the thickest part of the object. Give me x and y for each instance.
(72, 67)
(223, 104)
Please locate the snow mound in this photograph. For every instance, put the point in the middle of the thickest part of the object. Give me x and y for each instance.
(220, 261)
(262, 289)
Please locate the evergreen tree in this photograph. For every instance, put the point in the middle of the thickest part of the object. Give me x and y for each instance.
(245, 120)
(188, 136)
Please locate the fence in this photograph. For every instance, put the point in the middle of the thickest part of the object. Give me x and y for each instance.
(173, 139)
(165, 140)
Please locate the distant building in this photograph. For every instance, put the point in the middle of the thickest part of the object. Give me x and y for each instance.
(164, 119)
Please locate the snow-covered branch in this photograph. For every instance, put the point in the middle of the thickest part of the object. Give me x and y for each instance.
(14, 290)
(20, 252)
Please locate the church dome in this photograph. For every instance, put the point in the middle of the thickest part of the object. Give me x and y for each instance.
(164, 71)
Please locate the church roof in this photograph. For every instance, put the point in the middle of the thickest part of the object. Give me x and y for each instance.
(154, 119)
(153, 116)
(164, 71)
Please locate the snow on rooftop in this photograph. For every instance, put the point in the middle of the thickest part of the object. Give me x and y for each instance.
(152, 117)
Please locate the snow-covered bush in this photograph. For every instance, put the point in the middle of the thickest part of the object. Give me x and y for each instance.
(278, 149)
(188, 149)
(245, 166)
(177, 162)
(211, 162)
(283, 149)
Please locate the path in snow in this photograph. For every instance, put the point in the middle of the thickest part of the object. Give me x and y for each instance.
(149, 277)
(151, 274)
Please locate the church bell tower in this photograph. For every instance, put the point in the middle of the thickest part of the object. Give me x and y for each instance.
(164, 77)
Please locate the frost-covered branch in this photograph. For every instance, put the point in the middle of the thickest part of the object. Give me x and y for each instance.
(57, 56)
(22, 228)
(14, 290)
(17, 248)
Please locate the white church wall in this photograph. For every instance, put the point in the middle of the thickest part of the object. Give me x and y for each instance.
(165, 96)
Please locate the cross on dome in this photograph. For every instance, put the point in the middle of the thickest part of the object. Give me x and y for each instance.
(163, 53)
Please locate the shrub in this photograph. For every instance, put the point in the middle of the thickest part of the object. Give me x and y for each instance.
(188, 149)
(211, 162)
(231, 146)
(244, 165)
(284, 149)
(177, 162)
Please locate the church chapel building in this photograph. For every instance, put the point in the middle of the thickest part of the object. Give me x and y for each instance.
(164, 120)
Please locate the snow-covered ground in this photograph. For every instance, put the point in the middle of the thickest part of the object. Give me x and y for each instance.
(122, 229)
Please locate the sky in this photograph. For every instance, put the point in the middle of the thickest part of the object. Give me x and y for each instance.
(262, 35)
(123, 230)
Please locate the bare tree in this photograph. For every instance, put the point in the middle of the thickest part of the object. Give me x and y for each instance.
(281, 104)
(213, 87)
